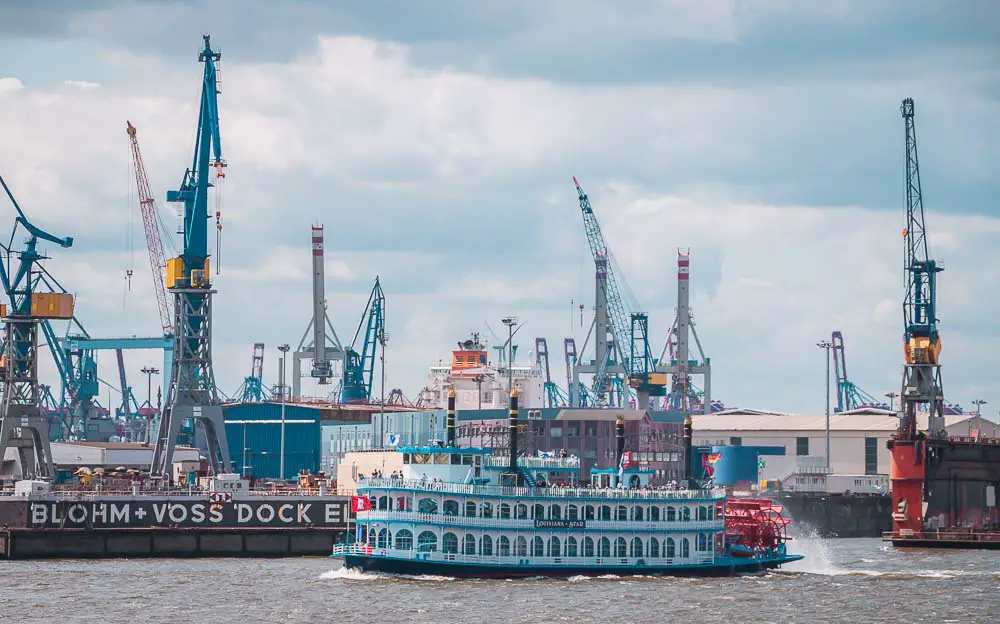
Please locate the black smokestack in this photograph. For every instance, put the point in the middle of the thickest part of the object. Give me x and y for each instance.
(688, 433)
(512, 432)
(451, 417)
(619, 440)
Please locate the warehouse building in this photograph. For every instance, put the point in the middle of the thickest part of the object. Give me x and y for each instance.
(857, 438)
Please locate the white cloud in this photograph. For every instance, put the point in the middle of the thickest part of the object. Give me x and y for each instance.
(358, 136)
(83, 85)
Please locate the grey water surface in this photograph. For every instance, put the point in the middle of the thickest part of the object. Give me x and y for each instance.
(847, 580)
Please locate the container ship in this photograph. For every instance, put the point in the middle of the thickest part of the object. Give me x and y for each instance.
(466, 512)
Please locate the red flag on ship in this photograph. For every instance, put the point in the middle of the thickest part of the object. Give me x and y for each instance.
(360, 503)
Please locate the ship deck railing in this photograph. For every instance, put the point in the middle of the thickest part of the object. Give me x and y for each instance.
(550, 492)
(89, 495)
(956, 534)
(367, 550)
(624, 526)
(537, 463)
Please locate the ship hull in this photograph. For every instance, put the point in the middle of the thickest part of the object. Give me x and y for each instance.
(411, 567)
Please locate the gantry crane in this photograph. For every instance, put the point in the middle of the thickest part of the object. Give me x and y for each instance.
(849, 395)
(921, 340)
(359, 367)
(22, 418)
(253, 389)
(192, 392)
(613, 327)
(554, 396)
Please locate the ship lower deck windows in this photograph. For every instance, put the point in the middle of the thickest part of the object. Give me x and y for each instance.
(521, 544)
(486, 546)
(538, 512)
(555, 547)
(572, 512)
(470, 545)
(654, 548)
(427, 541)
(450, 508)
(654, 514)
(570, 546)
(537, 547)
(621, 547)
(555, 512)
(522, 511)
(404, 540)
(449, 543)
(636, 549)
(588, 547)
(670, 548)
(604, 547)
(503, 546)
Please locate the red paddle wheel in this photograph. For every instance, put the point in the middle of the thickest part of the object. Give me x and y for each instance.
(754, 525)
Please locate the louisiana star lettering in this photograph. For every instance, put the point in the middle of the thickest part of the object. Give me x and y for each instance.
(133, 513)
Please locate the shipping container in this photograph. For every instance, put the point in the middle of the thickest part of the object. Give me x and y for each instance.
(52, 305)
(253, 431)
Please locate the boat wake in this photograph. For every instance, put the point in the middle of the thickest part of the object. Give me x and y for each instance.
(352, 574)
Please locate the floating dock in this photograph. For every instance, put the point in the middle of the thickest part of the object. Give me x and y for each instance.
(170, 524)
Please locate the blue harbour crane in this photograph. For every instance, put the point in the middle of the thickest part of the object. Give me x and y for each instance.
(192, 392)
(23, 423)
(612, 329)
(359, 367)
(921, 339)
(849, 395)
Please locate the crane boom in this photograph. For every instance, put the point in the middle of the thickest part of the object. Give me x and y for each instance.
(921, 341)
(147, 205)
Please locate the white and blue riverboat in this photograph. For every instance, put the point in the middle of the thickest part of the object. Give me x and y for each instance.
(450, 513)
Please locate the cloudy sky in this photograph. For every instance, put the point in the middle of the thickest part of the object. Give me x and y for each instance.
(436, 141)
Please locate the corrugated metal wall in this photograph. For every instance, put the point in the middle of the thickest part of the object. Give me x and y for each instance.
(254, 434)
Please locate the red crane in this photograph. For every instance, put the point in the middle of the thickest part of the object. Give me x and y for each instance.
(156, 259)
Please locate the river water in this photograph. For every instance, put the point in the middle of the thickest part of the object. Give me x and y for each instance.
(848, 580)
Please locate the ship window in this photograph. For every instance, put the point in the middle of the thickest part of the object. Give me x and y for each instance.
(636, 549)
(538, 511)
(685, 548)
(685, 514)
(406, 458)
(621, 513)
(654, 514)
(605, 548)
(572, 512)
(466, 460)
(427, 541)
(486, 510)
(441, 458)
(522, 511)
(555, 432)
(591, 431)
(449, 543)
(588, 547)
(555, 548)
(671, 514)
(555, 512)
(402, 503)
(654, 548)
(486, 546)
(702, 513)
(470, 509)
(637, 513)
(537, 547)
(470, 545)
(522, 546)
(383, 502)
(384, 538)
(711, 512)
(404, 540)
(570, 546)
(503, 546)
(427, 506)
(702, 542)
(605, 512)
(450, 508)
(736, 441)
(421, 458)
(671, 551)
(573, 431)
(621, 547)
(504, 510)
(588, 512)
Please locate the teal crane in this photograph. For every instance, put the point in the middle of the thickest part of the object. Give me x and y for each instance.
(22, 417)
(359, 367)
(192, 393)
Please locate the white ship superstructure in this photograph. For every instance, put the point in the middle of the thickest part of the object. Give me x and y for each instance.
(479, 383)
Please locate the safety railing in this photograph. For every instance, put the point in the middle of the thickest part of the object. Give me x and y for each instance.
(416, 517)
(551, 492)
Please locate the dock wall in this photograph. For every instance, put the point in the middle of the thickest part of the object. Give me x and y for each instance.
(838, 515)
